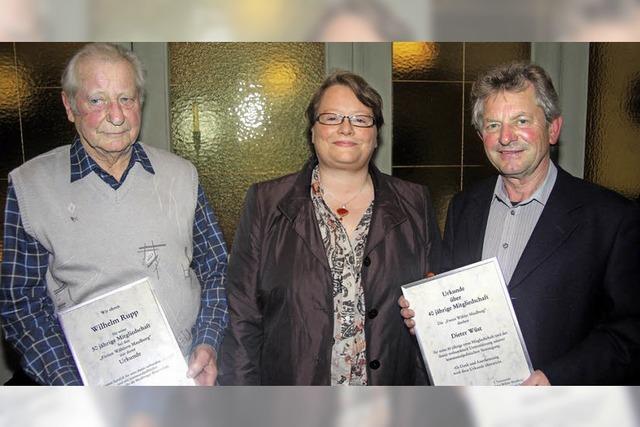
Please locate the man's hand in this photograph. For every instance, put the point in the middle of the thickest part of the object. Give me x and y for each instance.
(407, 314)
(202, 365)
(537, 378)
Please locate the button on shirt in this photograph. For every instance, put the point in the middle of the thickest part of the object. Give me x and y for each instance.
(510, 226)
(25, 263)
(346, 257)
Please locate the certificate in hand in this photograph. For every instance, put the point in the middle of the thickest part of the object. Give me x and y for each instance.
(466, 327)
(123, 338)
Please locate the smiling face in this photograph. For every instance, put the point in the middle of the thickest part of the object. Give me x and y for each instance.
(108, 107)
(343, 146)
(515, 134)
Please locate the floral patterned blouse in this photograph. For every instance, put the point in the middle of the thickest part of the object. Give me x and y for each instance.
(348, 356)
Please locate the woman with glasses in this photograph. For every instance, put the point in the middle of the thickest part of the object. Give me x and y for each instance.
(319, 257)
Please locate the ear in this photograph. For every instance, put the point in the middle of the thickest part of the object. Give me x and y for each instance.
(67, 106)
(554, 130)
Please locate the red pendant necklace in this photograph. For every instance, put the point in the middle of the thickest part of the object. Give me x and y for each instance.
(342, 211)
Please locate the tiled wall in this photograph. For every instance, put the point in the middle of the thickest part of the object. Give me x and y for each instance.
(32, 118)
(612, 149)
(433, 140)
(246, 101)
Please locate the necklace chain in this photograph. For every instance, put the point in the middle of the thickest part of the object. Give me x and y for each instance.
(344, 204)
(342, 211)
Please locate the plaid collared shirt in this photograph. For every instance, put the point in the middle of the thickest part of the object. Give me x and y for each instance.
(27, 312)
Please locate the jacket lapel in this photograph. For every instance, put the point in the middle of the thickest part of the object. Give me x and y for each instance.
(476, 221)
(555, 225)
(387, 213)
(297, 206)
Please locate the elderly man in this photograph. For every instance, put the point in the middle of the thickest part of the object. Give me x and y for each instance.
(105, 211)
(569, 250)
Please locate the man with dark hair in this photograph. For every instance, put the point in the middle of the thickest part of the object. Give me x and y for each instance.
(569, 250)
(86, 218)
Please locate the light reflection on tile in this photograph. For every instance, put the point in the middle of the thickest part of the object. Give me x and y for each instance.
(237, 112)
(427, 61)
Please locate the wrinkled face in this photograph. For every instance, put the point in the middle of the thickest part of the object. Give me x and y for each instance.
(343, 146)
(108, 106)
(515, 134)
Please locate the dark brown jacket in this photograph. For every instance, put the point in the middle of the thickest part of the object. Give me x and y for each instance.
(279, 284)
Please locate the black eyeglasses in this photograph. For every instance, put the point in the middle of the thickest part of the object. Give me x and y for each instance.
(357, 120)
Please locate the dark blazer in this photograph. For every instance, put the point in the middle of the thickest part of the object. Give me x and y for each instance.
(576, 289)
(279, 284)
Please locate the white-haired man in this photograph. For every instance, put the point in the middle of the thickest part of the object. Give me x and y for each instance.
(86, 218)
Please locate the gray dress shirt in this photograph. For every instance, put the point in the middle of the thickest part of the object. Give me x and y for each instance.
(509, 227)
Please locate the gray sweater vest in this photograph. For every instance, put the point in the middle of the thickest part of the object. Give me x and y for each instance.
(99, 239)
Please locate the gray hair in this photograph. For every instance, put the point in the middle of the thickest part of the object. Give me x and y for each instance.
(514, 77)
(107, 52)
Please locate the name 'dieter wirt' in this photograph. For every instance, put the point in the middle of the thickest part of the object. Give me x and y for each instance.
(114, 321)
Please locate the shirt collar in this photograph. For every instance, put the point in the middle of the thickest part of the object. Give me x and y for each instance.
(82, 164)
(541, 195)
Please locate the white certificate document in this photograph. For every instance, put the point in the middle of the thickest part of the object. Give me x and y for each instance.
(466, 327)
(123, 338)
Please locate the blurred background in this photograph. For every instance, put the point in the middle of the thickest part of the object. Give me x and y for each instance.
(319, 406)
(320, 20)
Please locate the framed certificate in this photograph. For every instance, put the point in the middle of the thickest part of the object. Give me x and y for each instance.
(466, 327)
(123, 338)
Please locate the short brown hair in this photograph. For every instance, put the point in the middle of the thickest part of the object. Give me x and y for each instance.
(361, 89)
